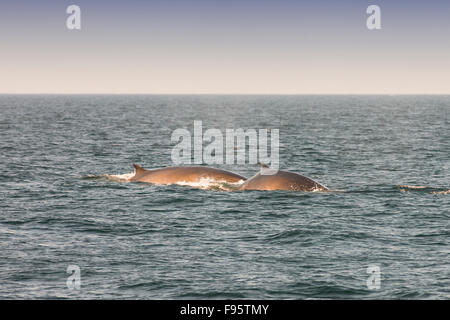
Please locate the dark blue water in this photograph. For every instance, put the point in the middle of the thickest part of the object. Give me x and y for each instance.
(386, 157)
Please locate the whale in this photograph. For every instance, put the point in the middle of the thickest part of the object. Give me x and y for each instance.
(181, 174)
(280, 180)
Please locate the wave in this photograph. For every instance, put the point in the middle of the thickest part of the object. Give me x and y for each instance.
(441, 192)
(411, 187)
(432, 190)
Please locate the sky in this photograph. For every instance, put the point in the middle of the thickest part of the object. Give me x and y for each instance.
(225, 47)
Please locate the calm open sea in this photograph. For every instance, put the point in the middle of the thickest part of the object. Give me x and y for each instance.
(386, 157)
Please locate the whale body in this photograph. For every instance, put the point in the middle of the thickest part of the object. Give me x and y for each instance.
(281, 180)
(173, 175)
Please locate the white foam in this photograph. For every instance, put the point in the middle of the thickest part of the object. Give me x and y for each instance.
(442, 192)
(411, 187)
(210, 183)
(120, 177)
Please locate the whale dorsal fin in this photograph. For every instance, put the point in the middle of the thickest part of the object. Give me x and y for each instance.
(265, 170)
(138, 168)
(263, 165)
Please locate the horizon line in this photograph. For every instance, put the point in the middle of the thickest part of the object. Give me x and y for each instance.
(231, 93)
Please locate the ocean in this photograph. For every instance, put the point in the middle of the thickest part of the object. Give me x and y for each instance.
(385, 158)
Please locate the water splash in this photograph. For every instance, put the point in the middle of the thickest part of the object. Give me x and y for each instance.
(212, 184)
(124, 177)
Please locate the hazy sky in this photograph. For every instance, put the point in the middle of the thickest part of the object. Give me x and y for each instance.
(227, 46)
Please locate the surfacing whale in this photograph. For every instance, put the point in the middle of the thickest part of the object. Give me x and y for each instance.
(173, 175)
(281, 180)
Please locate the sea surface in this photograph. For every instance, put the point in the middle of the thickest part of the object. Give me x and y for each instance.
(385, 158)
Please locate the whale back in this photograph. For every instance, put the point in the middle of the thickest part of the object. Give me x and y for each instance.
(171, 175)
(282, 180)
